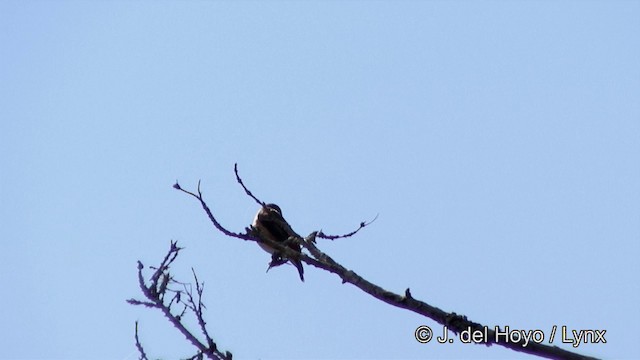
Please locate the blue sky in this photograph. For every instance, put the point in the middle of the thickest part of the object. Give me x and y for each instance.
(498, 142)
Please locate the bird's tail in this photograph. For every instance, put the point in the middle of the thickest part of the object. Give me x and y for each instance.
(298, 265)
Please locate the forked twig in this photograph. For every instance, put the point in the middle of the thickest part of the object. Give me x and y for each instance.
(214, 221)
(155, 293)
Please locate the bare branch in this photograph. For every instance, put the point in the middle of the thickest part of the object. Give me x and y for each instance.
(235, 170)
(363, 224)
(155, 293)
(143, 356)
(138, 302)
(211, 217)
(164, 265)
(456, 323)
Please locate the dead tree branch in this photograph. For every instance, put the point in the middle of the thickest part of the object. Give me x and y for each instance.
(239, 180)
(161, 284)
(454, 322)
(363, 224)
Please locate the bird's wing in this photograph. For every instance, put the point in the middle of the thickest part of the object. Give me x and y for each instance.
(272, 222)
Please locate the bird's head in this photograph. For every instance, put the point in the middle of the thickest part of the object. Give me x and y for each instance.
(274, 207)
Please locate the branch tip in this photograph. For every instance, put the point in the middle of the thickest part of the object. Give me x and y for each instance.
(239, 180)
(363, 224)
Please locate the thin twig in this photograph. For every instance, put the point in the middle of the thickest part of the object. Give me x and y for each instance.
(199, 312)
(235, 170)
(333, 237)
(210, 215)
(143, 356)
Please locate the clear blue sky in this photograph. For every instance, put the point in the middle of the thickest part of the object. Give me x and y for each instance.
(498, 141)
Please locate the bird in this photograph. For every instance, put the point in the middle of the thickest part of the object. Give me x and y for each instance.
(268, 224)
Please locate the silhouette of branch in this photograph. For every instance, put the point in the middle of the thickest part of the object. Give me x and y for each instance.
(333, 237)
(143, 356)
(160, 285)
(454, 322)
(235, 170)
(210, 215)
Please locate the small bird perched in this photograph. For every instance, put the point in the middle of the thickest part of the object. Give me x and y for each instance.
(268, 224)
